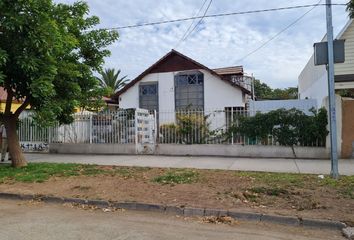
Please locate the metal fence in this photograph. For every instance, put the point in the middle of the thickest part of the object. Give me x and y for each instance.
(120, 127)
(213, 127)
(201, 127)
(134, 126)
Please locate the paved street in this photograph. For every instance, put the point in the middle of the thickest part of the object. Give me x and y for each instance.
(346, 167)
(25, 220)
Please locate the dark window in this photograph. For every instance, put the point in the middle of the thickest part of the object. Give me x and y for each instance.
(148, 96)
(189, 91)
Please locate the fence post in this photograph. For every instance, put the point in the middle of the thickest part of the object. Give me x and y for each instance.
(49, 134)
(156, 131)
(90, 128)
(136, 130)
(232, 122)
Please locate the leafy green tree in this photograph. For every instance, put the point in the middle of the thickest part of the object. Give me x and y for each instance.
(261, 90)
(48, 54)
(264, 92)
(350, 8)
(110, 80)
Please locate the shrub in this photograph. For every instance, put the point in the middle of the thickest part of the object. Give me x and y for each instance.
(288, 127)
(191, 128)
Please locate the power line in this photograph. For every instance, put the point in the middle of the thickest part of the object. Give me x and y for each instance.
(283, 30)
(219, 15)
(190, 26)
(200, 20)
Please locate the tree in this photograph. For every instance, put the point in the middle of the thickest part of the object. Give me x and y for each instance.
(110, 80)
(350, 8)
(48, 54)
(263, 91)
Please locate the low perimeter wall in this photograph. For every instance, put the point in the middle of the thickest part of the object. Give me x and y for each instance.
(85, 148)
(241, 151)
(196, 150)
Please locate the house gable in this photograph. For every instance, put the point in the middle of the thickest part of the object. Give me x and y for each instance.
(173, 62)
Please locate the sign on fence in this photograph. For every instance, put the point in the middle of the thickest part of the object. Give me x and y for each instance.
(144, 131)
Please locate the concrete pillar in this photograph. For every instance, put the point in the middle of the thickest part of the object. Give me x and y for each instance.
(339, 123)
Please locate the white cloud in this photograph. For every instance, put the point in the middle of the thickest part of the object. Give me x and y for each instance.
(220, 41)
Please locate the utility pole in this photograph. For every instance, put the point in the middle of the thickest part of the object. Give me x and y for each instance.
(331, 93)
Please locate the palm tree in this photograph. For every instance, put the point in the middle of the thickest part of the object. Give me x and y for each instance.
(111, 80)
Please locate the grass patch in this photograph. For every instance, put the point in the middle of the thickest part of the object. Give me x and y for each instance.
(40, 172)
(129, 172)
(344, 185)
(277, 183)
(177, 177)
(270, 191)
(278, 179)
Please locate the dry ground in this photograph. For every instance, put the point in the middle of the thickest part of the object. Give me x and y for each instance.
(275, 193)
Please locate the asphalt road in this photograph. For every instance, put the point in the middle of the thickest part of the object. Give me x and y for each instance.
(37, 221)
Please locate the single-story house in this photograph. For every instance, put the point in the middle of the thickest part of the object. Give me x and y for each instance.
(177, 82)
(313, 84)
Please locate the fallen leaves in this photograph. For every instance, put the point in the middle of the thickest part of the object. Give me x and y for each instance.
(219, 220)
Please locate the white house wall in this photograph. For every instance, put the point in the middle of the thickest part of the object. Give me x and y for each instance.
(313, 82)
(130, 98)
(217, 95)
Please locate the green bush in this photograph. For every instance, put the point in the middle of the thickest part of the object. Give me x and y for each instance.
(287, 127)
(191, 128)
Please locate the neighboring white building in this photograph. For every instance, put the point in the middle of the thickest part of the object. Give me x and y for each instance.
(313, 80)
(313, 84)
(176, 82)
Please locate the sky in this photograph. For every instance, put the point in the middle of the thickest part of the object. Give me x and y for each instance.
(217, 42)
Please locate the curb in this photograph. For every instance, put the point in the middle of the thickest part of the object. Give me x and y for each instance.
(185, 211)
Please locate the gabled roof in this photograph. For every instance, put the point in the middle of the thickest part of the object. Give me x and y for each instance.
(340, 34)
(172, 62)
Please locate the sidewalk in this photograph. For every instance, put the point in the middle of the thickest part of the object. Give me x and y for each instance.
(346, 167)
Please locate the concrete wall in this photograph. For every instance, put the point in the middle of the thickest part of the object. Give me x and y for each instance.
(241, 151)
(347, 128)
(83, 148)
(195, 150)
(269, 105)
